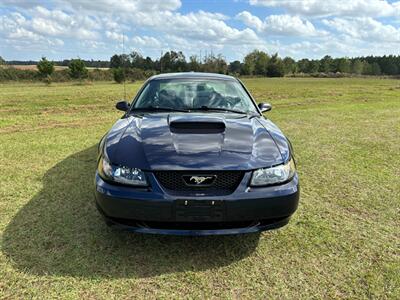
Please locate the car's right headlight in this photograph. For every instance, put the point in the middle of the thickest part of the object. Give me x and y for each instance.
(273, 175)
(121, 174)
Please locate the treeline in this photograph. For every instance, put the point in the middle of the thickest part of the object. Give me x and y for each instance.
(63, 63)
(14, 74)
(134, 66)
(129, 66)
(260, 63)
(76, 70)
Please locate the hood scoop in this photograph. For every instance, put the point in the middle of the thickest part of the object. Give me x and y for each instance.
(197, 127)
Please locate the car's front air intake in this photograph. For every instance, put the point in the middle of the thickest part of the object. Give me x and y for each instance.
(205, 182)
(197, 127)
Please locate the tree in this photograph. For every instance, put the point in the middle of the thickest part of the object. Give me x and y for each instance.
(367, 69)
(235, 67)
(313, 66)
(255, 63)
(375, 69)
(388, 65)
(194, 64)
(77, 69)
(261, 62)
(173, 62)
(249, 64)
(325, 64)
(289, 65)
(302, 65)
(215, 64)
(119, 75)
(148, 63)
(275, 67)
(2, 61)
(136, 60)
(342, 65)
(357, 67)
(45, 67)
(116, 61)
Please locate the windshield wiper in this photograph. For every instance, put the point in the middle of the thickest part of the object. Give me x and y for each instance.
(206, 108)
(157, 108)
(202, 108)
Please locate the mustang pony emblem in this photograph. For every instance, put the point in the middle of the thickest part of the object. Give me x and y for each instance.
(200, 179)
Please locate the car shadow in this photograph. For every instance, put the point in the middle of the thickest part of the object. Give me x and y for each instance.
(60, 232)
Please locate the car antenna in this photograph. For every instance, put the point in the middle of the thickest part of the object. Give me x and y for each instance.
(123, 62)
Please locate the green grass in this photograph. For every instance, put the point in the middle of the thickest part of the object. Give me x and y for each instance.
(343, 242)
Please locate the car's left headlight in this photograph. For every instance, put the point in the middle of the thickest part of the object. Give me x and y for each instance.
(273, 175)
(121, 174)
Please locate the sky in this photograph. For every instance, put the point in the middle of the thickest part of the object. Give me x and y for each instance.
(97, 29)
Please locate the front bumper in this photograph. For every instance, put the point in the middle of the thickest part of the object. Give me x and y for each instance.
(153, 210)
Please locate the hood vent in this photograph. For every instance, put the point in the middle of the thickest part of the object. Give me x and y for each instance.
(197, 127)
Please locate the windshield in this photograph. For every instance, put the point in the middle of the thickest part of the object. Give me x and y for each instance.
(192, 94)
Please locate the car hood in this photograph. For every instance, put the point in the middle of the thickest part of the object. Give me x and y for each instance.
(191, 141)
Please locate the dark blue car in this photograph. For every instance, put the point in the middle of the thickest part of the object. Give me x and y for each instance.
(193, 155)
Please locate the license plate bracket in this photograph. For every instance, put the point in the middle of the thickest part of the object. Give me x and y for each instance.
(199, 210)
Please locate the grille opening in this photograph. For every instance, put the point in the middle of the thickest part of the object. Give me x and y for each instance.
(197, 127)
(225, 182)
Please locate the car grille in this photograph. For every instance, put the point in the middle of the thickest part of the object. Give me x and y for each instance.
(225, 182)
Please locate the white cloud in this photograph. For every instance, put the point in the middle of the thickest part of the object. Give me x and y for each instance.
(336, 46)
(366, 29)
(56, 42)
(96, 28)
(16, 32)
(373, 8)
(122, 6)
(21, 33)
(20, 3)
(280, 25)
(93, 45)
(204, 26)
(52, 24)
(116, 36)
(60, 24)
(109, 19)
(250, 20)
(146, 41)
(189, 31)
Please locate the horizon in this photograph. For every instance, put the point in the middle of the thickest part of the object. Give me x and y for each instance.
(62, 60)
(61, 30)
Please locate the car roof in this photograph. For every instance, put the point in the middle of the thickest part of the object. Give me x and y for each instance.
(192, 75)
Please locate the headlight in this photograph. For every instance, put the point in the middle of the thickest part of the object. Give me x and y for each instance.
(131, 176)
(278, 174)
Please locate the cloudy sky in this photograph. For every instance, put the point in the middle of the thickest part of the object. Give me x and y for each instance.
(96, 28)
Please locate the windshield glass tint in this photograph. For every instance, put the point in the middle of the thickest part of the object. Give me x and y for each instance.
(195, 94)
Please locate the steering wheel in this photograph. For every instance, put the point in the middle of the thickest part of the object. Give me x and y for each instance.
(216, 100)
(232, 101)
(166, 99)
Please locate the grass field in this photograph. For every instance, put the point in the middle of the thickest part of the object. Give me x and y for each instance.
(343, 242)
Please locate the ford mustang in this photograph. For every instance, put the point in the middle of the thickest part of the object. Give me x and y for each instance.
(194, 155)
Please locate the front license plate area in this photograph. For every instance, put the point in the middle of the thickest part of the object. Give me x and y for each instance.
(199, 210)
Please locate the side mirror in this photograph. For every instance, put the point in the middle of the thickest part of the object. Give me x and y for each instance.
(264, 107)
(122, 105)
